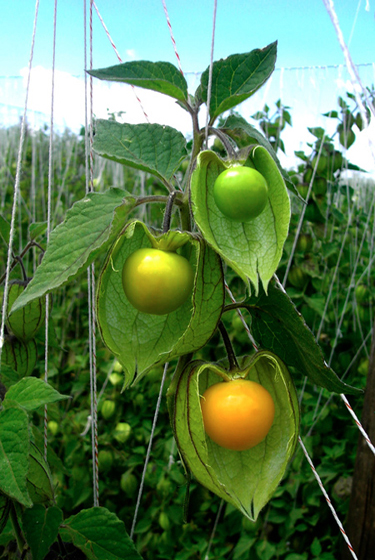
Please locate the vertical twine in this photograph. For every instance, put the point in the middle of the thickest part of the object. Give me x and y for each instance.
(91, 270)
(49, 198)
(16, 189)
(209, 89)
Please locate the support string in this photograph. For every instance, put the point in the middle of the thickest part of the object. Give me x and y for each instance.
(49, 202)
(209, 89)
(118, 57)
(16, 190)
(148, 453)
(327, 499)
(172, 37)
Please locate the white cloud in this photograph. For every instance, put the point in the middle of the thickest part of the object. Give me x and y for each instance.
(130, 53)
(69, 102)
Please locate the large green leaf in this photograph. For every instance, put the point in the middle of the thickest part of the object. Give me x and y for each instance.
(246, 479)
(99, 534)
(14, 454)
(41, 527)
(236, 78)
(153, 148)
(252, 249)
(163, 77)
(140, 340)
(89, 229)
(31, 393)
(278, 326)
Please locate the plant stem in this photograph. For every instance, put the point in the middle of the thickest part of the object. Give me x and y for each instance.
(225, 141)
(168, 212)
(233, 364)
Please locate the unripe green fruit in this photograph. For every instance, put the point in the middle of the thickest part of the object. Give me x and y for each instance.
(116, 378)
(305, 243)
(129, 483)
(19, 355)
(108, 409)
(320, 163)
(164, 521)
(298, 277)
(363, 367)
(122, 432)
(53, 427)
(240, 193)
(117, 368)
(26, 322)
(105, 458)
(320, 186)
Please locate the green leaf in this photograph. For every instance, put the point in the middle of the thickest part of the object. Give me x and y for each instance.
(39, 479)
(153, 148)
(99, 534)
(163, 77)
(8, 375)
(31, 393)
(41, 527)
(252, 249)
(278, 326)
(236, 78)
(245, 479)
(140, 340)
(89, 229)
(14, 452)
(36, 229)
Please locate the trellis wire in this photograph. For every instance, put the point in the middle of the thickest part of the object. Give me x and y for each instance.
(17, 187)
(327, 498)
(172, 36)
(300, 222)
(119, 57)
(210, 71)
(91, 269)
(49, 202)
(148, 453)
(354, 76)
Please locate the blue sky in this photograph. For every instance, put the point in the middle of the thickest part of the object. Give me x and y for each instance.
(305, 34)
(303, 29)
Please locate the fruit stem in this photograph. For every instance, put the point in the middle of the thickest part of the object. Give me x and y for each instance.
(225, 141)
(168, 212)
(233, 364)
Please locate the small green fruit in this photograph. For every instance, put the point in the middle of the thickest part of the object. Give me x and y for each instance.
(108, 409)
(298, 277)
(53, 427)
(122, 432)
(129, 483)
(105, 458)
(240, 193)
